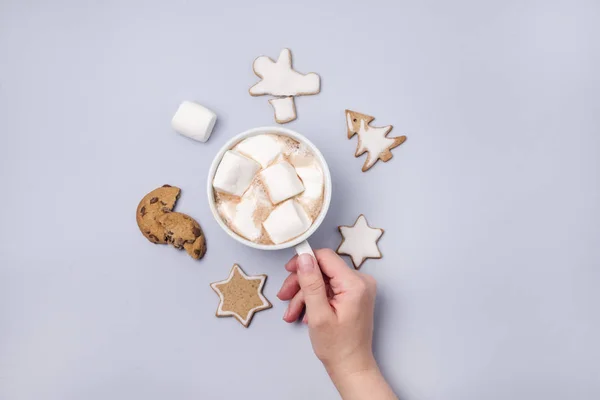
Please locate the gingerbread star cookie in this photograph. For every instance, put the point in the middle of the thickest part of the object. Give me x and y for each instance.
(371, 140)
(241, 295)
(360, 241)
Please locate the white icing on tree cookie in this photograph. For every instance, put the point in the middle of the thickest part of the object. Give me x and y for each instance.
(371, 140)
(285, 109)
(360, 241)
(280, 79)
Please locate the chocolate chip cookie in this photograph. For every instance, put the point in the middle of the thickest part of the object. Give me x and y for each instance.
(197, 249)
(179, 228)
(155, 204)
(160, 225)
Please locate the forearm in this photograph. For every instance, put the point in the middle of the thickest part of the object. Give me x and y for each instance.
(366, 383)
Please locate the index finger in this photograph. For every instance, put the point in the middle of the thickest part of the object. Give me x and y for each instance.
(330, 263)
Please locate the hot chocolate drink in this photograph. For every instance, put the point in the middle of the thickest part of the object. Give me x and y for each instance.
(269, 188)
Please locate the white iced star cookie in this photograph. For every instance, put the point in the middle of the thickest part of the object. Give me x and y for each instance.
(241, 295)
(360, 241)
(371, 140)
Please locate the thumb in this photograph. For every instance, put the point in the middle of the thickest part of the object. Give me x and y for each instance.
(313, 288)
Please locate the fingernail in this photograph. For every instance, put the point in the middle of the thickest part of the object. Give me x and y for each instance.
(306, 263)
(285, 314)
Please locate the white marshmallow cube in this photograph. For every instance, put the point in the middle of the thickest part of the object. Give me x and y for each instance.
(281, 182)
(194, 121)
(262, 148)
(235, 173)
(312, 179)
(244, 220)
(287, 221)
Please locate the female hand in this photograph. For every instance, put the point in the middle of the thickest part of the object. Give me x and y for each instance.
(339, 312)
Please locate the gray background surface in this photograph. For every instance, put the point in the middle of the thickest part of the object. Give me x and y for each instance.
(489, 281)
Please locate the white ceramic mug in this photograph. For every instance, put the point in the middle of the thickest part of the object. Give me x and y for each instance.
(300, 243)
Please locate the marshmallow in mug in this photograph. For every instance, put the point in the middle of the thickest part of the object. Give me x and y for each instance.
(287, 221)
(194, 121)
(235, 173)
(281, 182)
(313, 181)
(243, 219)
(262, 148)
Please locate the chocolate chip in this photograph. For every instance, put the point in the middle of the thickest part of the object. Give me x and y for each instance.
(197, 232)
(165, 210)
(143, 210)
(153, 237)
(197, 252)
(153, 200)
(163, 203)
(166, 185)
(354, 120)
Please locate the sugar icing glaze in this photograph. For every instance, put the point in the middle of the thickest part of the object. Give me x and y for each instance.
(360, 241)
(371, 139)
(237, 273)
(285, 109)
(280, 79)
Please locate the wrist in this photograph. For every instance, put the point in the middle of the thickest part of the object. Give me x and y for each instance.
(361, 381)
(351, 368)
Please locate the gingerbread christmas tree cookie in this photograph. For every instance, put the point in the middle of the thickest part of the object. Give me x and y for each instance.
(359, 241)
(371, 140)
(241, 295)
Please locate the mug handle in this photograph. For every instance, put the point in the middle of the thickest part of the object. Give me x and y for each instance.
(304, 248)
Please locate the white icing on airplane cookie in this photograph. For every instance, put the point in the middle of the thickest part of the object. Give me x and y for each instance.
(359, 241)
(280, 79)
(241, 295)
(371, 140)
(285, 109)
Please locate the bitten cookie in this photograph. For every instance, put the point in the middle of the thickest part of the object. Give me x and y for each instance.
(371, 140)
(197, 249)
(359, 241)
(179, 228)
(241, 295)
(152, 206)
(160, 225)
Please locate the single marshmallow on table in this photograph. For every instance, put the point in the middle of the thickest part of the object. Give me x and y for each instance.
(287, 221)
(281, 182)
(194, 121)
(262, 148)
(235, 173)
